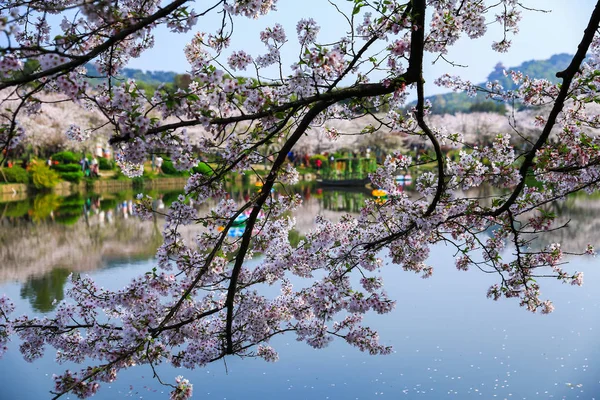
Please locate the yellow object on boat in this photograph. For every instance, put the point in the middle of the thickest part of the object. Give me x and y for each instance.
(379, 193)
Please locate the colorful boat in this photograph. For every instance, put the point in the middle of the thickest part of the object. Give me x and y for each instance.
(404, 180)
(379, 193)
(239, 224)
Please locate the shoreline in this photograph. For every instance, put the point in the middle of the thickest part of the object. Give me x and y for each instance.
(21, 191)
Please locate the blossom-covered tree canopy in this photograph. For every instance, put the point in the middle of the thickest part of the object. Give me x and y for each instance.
(202, 303)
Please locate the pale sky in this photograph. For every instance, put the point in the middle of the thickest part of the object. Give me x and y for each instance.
(541, 35)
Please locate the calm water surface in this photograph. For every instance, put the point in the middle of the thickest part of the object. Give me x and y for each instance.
(450, 341)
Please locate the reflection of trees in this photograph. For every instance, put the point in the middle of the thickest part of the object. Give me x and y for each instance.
(329, 204)
(581, 213)
(44, 205)
(42, 291)
(14, 209)
(33, 249)
(350, 202)
(75, 233)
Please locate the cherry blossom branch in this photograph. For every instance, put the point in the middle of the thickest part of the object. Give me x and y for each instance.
(567, 76)
(111, 41)
(356, 91)
(265, 191)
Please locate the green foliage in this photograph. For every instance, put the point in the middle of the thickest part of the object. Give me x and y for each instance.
(202, 168)
(530, 181)
(67, 219)
(73, 200)
(42, 176)
(119, 176)
(69, 172)
(488, 106)
(169, 169)
(67, 214)
(122, 195)
(451, 103)
(74, 177)
(29, 67)
(148, 174)
(453, 155)
(302, 170)
(43, 206)
(66, 168)
(14, 174)
(15, 209)
(46, 291)
(150, 77)
(169, 197)
(105, 164)
(147, 81)
(108, 204)
(295, 237)
(70, 209)
(65, 157)
(147, 88)
(138, 182)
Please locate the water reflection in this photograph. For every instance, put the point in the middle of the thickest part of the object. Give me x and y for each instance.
(581, 216)
(340, 200)
(44, 238)
(76, 233)
(450, 341)
(45, 291)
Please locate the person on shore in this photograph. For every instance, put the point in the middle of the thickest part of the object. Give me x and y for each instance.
(95, 170)
(86, 167)
(159, 162)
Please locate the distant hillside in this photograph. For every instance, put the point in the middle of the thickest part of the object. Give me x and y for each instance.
(452, 103)
(541, 69)
(449, 103)
(150, 78)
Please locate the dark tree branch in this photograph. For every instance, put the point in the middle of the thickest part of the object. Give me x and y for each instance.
(251, 221)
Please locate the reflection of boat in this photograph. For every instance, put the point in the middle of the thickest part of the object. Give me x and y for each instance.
(343, 182)
(237, 231)
(240, 220)
(258, 185)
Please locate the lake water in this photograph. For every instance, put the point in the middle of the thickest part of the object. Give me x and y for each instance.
(450, 341)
